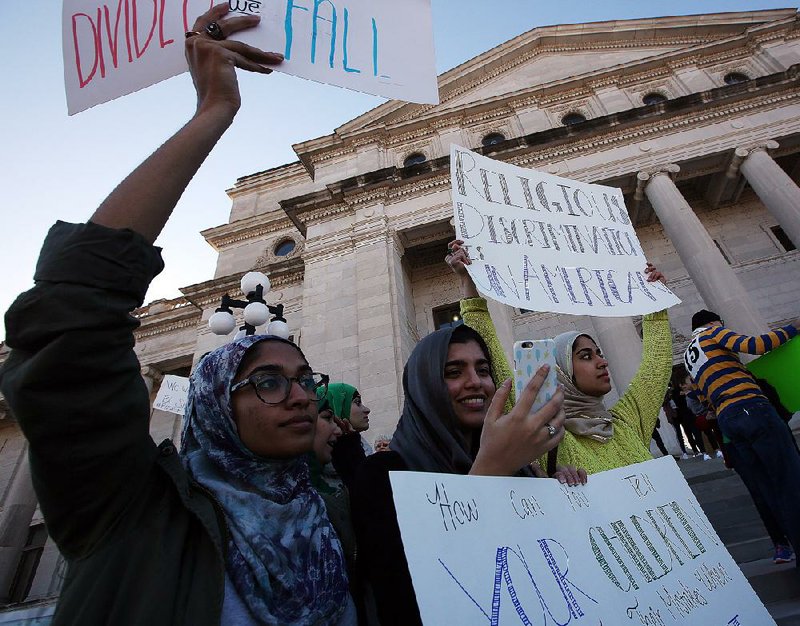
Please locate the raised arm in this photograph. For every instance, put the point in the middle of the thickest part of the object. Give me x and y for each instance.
(755, 345)
(145, 199)
(72, 379)
(475, 314)
(641, 402)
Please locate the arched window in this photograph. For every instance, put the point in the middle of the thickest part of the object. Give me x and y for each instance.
(734, 78)
(653, 98)
(284, 247)
(492, 139)
(572, 118)
(414, 159)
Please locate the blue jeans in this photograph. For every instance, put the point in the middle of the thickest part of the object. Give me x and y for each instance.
(766, 454)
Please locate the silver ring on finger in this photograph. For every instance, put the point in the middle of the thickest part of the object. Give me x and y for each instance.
(214, 31)
(551, 430)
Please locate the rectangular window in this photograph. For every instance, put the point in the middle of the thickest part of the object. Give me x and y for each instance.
(28, 563)
(447, 316)
(782, 238)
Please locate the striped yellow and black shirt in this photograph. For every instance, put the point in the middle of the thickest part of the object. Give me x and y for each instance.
(718, 373)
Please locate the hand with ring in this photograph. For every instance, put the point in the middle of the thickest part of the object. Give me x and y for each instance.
(509, 442)
(213, 59)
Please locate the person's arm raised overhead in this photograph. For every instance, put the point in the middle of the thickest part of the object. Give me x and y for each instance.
(72, 379)
(145, 199)
(641, 401)
(475, 313)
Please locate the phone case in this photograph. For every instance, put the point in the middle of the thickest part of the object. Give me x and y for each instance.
(529, 356)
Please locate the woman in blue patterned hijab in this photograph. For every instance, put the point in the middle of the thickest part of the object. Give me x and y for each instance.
(245, 445)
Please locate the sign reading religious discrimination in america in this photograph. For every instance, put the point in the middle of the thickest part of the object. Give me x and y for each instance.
(545, 243)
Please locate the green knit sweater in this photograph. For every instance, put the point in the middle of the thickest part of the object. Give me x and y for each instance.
(636, 411)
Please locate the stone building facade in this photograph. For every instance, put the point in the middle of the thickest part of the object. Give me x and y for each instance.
(696, 119)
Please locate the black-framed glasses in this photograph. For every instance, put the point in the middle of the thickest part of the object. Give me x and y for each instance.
(274, 388)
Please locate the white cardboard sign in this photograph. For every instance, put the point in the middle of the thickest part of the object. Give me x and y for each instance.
(546, 243)
(631, 547)
(173, 394)
(115, 47)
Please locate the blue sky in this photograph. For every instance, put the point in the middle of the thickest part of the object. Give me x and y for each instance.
(60, 167)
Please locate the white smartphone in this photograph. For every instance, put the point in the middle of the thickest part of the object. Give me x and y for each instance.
(529, 356)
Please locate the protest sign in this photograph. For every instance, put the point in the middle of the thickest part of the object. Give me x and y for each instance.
(172, 394)
(781, 368)
(630, 547)
(545, 243)
(113, 48)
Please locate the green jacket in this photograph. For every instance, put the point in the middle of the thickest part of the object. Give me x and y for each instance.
(143, 544)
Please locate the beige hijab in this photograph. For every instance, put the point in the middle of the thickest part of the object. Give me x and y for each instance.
(587, 416)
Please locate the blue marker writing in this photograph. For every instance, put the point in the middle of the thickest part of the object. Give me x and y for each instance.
(287, 27)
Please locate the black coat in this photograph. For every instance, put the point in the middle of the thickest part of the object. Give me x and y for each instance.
(143, 544)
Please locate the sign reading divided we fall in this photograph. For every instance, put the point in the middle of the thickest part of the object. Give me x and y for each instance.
(631, 547)
(545, 243)
(115, 47)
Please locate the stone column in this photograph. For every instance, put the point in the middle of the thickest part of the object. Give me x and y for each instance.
(20, 505)
(622, 346)
(776, 189)
(152, 380)
(720, 288)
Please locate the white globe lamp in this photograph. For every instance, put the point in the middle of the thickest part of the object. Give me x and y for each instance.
(256, 313)
(221, 323)
(279, 328)
(252, 280)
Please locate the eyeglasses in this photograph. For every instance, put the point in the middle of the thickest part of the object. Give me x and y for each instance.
(274, 388)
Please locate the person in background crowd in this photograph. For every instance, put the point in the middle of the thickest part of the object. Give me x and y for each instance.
(452, 422)
(352, 415)
(685, 419)
(228, 532)
(382, 443)
(705, 421)
(657, 438)
(597, 438)
(762, 447)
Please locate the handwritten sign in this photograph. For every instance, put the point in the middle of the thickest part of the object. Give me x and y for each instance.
(546, 243)
(630, 547)
(115, 47)
(172, 394)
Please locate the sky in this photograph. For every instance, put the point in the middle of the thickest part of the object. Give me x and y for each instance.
(59, 167)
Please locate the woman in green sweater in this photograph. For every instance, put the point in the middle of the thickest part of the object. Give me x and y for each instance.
(597, 439)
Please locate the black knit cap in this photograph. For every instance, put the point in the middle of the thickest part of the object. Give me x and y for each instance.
(703, 317)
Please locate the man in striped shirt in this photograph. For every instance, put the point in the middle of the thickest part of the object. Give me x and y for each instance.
(763, 446)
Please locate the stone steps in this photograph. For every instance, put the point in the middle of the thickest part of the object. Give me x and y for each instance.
(729, 508)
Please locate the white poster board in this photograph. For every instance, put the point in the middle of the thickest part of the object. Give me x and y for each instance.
(113, 48)
(173, 394)
(631, 547)
(545, 243)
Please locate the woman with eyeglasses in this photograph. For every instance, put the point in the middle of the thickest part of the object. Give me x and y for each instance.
(229, 531)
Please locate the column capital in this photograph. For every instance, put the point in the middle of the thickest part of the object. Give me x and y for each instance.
(763, 146)
(669, 169)
(155, 375)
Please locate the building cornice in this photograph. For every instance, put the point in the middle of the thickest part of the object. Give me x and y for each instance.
(208, 294)
(557, 143)
(255, 227)
(418, 119)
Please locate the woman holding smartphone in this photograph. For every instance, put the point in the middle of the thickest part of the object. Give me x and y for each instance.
(452, 422)
(597, 438)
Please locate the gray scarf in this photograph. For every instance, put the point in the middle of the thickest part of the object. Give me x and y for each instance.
(587, 416)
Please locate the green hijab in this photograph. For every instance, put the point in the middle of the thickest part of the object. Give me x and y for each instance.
(340, 397)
